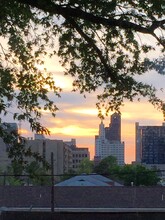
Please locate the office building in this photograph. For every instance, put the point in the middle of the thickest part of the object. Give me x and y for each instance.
(108, 142)
(150, 144)
(113, 132)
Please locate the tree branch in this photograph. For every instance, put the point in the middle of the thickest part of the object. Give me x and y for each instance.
(52, 8)
(92, 44)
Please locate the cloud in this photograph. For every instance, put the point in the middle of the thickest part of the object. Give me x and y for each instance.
(77, 116)
(152, 78)
(74, 129)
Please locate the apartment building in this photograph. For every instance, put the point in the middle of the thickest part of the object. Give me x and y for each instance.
(61, 153)
(78, 154)
(66, 155)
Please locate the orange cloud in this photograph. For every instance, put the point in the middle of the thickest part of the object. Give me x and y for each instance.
(74, 131)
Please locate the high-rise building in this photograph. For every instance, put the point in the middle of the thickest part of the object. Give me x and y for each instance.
(113, 132)
(108, 142)
(150, 144)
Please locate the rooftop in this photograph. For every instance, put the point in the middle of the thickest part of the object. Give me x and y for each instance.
(88, 180)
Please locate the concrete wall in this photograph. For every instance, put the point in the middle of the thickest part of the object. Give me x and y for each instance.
(81, 216)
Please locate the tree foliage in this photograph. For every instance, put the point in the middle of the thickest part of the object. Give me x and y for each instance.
(86, 166)
(38, 175)
(138, 175)
(129, 174)
(106, 165)
(33, 174)
(100, 43)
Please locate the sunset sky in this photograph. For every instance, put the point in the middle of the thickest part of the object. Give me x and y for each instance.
(77, 116)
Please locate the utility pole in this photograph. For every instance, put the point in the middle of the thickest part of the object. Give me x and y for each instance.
(52, 188)
(4, 178)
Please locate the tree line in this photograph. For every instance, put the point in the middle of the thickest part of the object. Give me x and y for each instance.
(128, 175)
(37, 174)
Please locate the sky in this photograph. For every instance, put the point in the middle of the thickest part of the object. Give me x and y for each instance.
(77, 116)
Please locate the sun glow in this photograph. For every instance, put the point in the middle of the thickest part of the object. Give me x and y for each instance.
(89, 111)
(62, 81)
(74, 130)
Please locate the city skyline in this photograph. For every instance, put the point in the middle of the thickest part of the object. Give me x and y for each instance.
(77, 118)
(87, 140)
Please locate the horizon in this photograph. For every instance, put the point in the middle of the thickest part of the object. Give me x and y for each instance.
(77, 116)
(82, 124)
